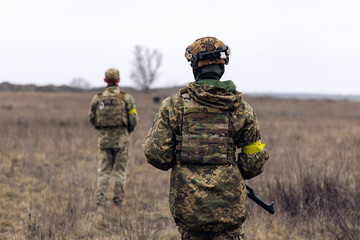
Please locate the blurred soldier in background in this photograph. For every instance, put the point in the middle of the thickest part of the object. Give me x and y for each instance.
(113, 114)
(196, 133)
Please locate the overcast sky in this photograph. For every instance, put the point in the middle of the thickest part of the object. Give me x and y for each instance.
(287, 46)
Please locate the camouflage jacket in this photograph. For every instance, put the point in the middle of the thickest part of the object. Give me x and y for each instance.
(114, 137)
(206, 197)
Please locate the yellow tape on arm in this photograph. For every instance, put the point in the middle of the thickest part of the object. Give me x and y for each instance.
(132, 111)
(253, 148)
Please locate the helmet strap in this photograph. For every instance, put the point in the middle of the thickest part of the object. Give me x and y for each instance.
(213, 71)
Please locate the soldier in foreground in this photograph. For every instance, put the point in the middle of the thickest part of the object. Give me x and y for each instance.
(113, 114)
(196, 133)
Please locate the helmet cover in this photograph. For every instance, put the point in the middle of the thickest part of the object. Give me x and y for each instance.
(207, 50)
(112, 74)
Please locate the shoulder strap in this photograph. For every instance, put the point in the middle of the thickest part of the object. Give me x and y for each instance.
(121, 95)
(100, 96)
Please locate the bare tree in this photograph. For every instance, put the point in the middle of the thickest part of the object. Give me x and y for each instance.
(146, 67)
(80, 83)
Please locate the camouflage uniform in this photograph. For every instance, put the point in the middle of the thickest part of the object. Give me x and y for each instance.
(113, 143)
(207, 199)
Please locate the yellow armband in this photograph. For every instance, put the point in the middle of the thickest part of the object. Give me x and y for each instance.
(253, 148)
(132, 111)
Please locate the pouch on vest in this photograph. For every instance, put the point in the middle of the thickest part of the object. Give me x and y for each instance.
(110, 110)
(205, 135)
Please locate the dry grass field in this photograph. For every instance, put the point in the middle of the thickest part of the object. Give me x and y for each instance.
(48, 161)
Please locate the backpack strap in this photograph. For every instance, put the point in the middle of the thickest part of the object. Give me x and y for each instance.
(121, 95)
(100, 96)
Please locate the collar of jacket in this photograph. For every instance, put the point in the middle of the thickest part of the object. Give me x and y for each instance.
(214, 96)
(227, 85)
(112, 86)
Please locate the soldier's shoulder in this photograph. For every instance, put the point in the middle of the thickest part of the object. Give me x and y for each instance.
(244, 110)
(124, 94)
(172, 101)
(97, 96)
(247, 106)
(249, 111)
(127, 96)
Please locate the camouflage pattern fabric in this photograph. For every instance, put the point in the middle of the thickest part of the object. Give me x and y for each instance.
(112, 160)
(207, 44)
(252, 164)
(205, 198)
(113, 143)
(205, 135)
(235, 234)
(114, 137)
(111, 111)
(112, 74)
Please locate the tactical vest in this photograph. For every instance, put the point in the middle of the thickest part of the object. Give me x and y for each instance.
(205, 135)
(111, 108)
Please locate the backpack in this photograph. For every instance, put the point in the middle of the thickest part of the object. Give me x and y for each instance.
(205, 135)
(111, 108)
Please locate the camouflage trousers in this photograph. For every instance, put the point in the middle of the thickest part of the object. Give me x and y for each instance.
(113, 160)
(235, 234)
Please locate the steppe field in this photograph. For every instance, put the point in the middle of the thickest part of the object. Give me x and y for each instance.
(48, 167)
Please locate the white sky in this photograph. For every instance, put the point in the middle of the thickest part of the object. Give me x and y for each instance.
(289, 46)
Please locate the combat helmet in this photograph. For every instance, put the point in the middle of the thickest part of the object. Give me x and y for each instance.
(112, 74)
(207, 50)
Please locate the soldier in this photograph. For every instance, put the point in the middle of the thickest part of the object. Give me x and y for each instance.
(113, 114)
(196, 133)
